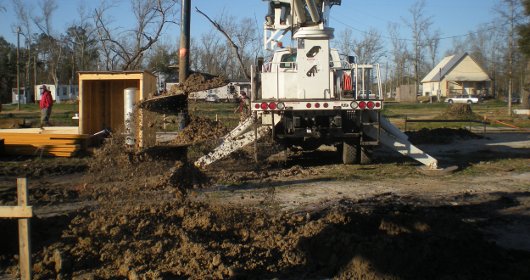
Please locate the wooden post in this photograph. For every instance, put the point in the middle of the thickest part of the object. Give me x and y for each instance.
(24, 241)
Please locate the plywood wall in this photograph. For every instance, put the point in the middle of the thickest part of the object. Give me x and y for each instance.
(101, 103)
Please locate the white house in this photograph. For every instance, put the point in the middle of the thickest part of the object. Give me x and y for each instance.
(25, 96)
(457, 74)
(62, 94)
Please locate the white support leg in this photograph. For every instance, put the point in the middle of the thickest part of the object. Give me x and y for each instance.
(240, 129)
(401, 144)
(231, 145)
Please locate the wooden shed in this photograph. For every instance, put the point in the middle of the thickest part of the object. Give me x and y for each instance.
(101, 103)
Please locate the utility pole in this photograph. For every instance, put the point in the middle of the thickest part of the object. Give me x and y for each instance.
(184, 54)
(18, 67)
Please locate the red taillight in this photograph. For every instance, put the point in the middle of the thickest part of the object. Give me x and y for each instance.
(317, 105)
(257, 106)
(377, 104)
(308, 105)
(264, 106)
(362, 105)
(371, 105)
(326, 105)
(272, 106)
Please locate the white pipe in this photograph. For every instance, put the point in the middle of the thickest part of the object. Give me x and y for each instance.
(129, 98)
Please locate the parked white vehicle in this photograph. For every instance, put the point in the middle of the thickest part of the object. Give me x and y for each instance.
(212, 97)
(469, 99)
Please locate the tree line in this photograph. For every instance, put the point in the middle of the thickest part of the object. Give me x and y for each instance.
(94, 42)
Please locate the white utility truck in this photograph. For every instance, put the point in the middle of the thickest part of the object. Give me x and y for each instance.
(308, 95)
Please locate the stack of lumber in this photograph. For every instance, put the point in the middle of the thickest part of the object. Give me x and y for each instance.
(50, 141)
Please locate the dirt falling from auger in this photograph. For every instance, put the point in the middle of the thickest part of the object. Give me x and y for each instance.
(176, 99)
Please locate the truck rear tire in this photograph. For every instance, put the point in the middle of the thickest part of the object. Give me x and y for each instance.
(350, 153)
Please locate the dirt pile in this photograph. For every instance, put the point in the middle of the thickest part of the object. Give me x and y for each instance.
(386, 237)
(176, 99)
(198, 82)
(458, 112)
(440, 135)
(28, 167)
(200, 129)
(118, 171)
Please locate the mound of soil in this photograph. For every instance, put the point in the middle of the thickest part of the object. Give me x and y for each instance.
(440, 135)
(119, 171)
(200, 129)
(34, 168)
(176, 99)
(379, 238)
(198, 82)
(458, 112)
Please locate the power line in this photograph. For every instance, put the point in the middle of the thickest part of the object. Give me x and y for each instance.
(411, 40)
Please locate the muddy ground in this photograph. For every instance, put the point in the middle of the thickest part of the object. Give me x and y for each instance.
(123, 215)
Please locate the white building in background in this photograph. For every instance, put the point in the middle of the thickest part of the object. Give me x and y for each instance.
(227, 93)
(63, 93)
(457, 74)
(25, 96)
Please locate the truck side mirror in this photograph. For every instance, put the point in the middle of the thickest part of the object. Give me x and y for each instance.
(351, 59)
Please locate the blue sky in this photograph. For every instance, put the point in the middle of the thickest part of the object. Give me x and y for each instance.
(452, 17)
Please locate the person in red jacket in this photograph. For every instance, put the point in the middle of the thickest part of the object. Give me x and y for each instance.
(45, 104)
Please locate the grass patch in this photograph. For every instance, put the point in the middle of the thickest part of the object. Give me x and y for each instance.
(62, 114)
(492, 109)
(370, 172)
(496, 166)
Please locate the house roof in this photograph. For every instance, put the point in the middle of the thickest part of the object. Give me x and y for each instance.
(447, 64)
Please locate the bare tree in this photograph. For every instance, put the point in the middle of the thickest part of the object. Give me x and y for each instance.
(419, 26)
(399, 52)
(23, 15)
(81, 37)
(524, 46)
(237, 49)
(51, 46)
(433, 44)
(510, 12)
(369, 49)
(128, 48)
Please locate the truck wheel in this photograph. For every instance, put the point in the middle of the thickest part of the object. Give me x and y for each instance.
(350, 153)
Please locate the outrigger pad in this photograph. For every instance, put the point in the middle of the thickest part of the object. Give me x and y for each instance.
(438, 171)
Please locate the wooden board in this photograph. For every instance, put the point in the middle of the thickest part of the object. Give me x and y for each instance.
(53, 141)
(16, 212)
